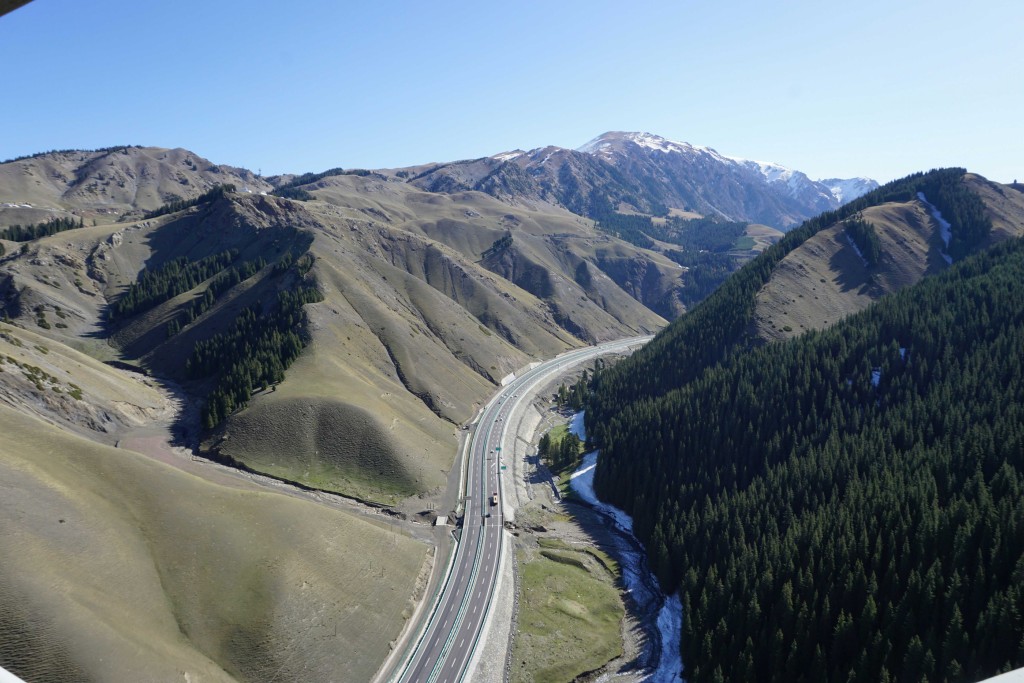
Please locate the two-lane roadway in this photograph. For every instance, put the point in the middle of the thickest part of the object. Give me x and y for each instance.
(449, 638)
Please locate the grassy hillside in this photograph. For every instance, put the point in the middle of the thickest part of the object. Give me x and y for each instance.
(569, 615)
(825, 279)
(53, 382)
(109, 184)
(173, 576)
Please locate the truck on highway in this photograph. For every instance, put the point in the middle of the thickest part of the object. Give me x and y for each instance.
(494, 499)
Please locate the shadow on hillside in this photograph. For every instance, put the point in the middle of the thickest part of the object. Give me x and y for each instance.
(851, 273)
(540, 473)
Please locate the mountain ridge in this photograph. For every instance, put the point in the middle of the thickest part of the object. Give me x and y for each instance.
(126, 180)
(646, 173)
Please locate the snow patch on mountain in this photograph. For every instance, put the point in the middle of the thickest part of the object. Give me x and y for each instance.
(846, 190)
(796, 184)
(770, 171)
(605, 145)
(508, 156)
(787, 180)
(945, 229)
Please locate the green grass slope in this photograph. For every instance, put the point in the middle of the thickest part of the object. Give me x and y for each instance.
(119, 568)
(569, 614)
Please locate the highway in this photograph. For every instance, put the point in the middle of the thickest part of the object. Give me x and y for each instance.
(449, 637)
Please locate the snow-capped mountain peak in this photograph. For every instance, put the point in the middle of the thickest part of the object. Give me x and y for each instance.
(771, 171)
(783, 180)
(615, 140)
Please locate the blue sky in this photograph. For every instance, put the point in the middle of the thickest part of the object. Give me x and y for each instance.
(859, 88)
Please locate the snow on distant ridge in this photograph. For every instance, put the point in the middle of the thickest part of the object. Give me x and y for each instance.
(604, 145)
(833, 191)
(846, 190)
(508, 156)
(796, 183)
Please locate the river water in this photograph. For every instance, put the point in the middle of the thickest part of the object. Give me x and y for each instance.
(666, 612)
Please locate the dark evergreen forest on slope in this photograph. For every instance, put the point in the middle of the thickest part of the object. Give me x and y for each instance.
(843, 506)
(261, 341)
(718, 327)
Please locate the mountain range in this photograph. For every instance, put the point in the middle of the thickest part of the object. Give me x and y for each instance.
(331, 329)
(648, 174)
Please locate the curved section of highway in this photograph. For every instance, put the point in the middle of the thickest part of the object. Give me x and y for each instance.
(449, 637)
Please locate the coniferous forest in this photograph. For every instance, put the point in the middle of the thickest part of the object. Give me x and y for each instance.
(865, 238)
(253, 354)
(847, 505)
(157, 285)
(261, 342)
(720, 325)
(19, 233)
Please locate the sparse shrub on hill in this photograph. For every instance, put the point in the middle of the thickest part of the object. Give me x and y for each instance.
(119, 148)
(182, 204)
(296, 193)
(499, 245)
(286, 189)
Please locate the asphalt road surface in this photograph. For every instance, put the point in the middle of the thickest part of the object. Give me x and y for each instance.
(450, 636)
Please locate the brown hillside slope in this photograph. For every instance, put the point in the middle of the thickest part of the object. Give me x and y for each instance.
(1005, 205)
(414, 332)
(421, 315)
(543, 239)
(825, 279)
(108, 184)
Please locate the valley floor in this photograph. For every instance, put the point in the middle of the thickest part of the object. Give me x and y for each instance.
(554, 536)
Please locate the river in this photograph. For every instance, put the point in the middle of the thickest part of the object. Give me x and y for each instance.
(665, 611)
